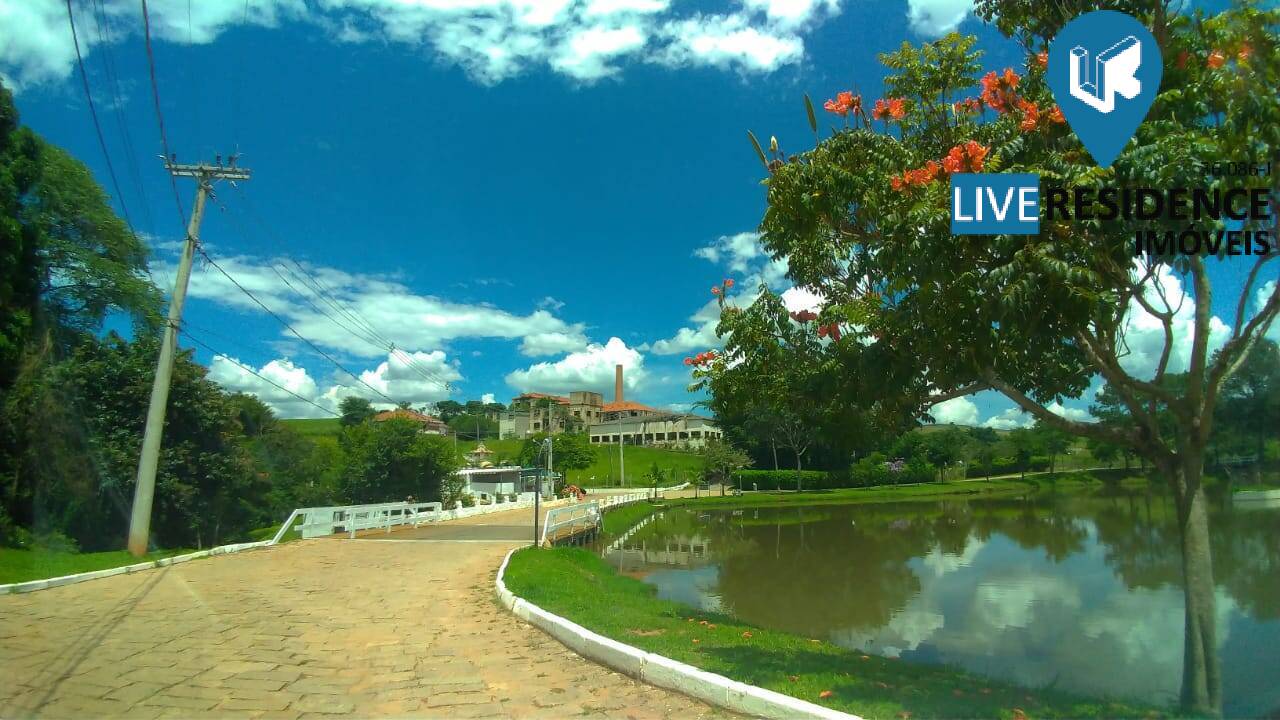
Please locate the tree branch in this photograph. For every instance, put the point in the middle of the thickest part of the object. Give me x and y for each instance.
(961, 391)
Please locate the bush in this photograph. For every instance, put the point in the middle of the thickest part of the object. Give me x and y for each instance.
(784, 479)
(1006, 466)
(874, 470)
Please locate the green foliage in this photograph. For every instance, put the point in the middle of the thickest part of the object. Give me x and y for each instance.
(720, 460)
(391, 460)
(473, 425)
(784, 479)
(354, 410)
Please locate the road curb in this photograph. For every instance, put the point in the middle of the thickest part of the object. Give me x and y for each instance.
(46, 583)
(660, 670)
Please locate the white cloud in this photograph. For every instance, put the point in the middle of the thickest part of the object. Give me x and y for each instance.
(729, 41)
(492, 40)
(740, 254)
(552, 343)
(1077, 414)
(1260, 298)
(361, 310)
(798, 299)
(418, 383)
(937, 17)
(588, 369)
(1144, 335)
(956, 411)
(487, 398)
(1008, 420)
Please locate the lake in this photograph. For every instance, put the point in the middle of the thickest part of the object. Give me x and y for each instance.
(1080, 592)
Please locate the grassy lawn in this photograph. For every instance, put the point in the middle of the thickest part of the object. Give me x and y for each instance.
(24, 565)
(313, 428)
(620, 519)
(580, 586)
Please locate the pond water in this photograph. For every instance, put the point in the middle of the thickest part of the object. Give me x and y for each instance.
(1079, 592)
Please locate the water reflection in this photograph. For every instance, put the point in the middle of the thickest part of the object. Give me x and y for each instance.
(1077, 592)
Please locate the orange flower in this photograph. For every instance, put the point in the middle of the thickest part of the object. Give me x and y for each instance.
(967, 106)
(977, 155)
(1042, 59)
(897, 108)
(845, 103)
(897, 183)
(1055, 115)
(715, 290)
(1216, 59)
(880, 110)
(1244, 53)
(954, 161)
(998, 90)
(689, 361)
(825, 694)
(728, 282)
(1030, 115)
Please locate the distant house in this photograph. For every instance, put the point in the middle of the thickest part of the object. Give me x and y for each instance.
(428, 423)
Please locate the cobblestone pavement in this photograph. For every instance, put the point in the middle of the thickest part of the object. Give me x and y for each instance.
(308, 629)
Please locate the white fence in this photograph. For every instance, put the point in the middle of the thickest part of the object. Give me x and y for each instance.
(571, 519)
(321, 521)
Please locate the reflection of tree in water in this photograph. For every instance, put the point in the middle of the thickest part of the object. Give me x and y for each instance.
(810, 570)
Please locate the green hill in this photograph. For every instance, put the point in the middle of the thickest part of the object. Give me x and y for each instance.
(638, 460)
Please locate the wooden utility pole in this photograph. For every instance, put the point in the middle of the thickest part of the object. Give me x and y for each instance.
(144, 490)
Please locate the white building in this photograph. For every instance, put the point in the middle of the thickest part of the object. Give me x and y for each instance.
(506, 480)
(676, 430)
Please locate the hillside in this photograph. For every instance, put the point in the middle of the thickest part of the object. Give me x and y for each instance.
(638, 460)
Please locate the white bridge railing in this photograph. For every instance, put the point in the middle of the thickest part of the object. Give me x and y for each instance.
(572, 519)
(321, 521)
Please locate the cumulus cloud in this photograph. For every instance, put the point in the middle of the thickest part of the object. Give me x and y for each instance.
(1008, 420)
(742, 255)
(492, 40)
(589, 369)
(487, 398)
(937, 17)
(956, 411)
(1260, 298)
(355, 313)
(1144, 335)
(292, 392)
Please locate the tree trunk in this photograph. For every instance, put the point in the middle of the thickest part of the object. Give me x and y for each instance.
(797, 471)
(774, 443)
(1201, 675)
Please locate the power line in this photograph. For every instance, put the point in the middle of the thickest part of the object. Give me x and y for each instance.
(365, 334)
(103, 24)
(257, 374)
(290, 328)
(367, 331)
(93, 112)
(155, 96)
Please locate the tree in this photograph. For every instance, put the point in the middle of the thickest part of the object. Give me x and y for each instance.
(720, 460)
(942, 448)
(256, 417)
(354, 410)
(864, 222)
(447, 409)
(1024, 444)
(1053, 441)
(389, 461)
(572, 451)
(1251, 398)
(473, 425)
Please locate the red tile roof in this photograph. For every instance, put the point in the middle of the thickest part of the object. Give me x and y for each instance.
(543, 396)
(401, 414)
(629, 405)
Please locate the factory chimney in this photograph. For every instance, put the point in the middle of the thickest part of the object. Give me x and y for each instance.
(617, 383)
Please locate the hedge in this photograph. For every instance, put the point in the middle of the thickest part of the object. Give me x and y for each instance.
(1006, 466)
(786, 480)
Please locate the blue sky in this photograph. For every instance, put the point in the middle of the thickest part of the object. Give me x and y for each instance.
(520, 194)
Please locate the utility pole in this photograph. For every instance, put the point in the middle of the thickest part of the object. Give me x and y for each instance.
(144, 490)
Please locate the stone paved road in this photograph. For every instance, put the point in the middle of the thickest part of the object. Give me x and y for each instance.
(308, 629)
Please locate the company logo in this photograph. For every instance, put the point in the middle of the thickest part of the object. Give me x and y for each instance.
(1104, 70)
(995, 204)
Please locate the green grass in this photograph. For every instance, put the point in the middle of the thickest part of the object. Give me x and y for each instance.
(266, 533)
(845, 496)
(620, 519)
(24, 565)
(580, 586)
(313, 428)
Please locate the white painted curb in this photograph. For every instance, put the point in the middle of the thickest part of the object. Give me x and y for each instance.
(33, 585)
(661, 670)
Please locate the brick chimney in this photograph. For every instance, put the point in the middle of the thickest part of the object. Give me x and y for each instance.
(617, 383)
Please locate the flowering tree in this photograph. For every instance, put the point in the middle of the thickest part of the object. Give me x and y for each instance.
(915, 316)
